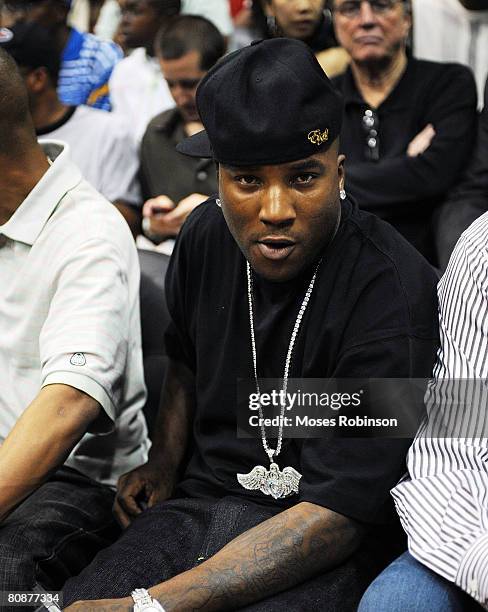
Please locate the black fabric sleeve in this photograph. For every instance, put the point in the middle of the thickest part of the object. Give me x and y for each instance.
(402, 180)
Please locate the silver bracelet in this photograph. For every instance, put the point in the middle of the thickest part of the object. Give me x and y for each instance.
(144, 602)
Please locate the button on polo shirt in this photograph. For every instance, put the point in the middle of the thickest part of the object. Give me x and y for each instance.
(69, 314)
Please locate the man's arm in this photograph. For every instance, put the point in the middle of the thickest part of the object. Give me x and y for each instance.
(279, 553)
(276, 555)
(155, 480)
(41, 440)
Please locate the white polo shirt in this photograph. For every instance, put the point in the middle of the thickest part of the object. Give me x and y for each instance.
(69, 313)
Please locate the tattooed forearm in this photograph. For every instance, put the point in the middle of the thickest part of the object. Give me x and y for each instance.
(277, 554)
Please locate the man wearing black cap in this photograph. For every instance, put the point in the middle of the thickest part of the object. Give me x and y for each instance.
(276, 275)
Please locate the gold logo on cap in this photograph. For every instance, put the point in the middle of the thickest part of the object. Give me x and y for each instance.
(317, 137)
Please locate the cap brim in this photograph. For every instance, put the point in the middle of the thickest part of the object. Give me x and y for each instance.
(197, 145)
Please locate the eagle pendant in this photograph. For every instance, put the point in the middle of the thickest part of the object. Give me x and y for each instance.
(274, 482)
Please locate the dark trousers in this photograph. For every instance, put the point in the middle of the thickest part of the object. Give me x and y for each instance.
(177, 535)
(55, 533)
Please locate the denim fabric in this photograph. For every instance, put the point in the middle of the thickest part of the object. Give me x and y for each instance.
(408, 586)
(55, 532)
(176, 535)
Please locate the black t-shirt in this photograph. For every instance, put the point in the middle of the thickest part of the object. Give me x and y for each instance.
(372, 314)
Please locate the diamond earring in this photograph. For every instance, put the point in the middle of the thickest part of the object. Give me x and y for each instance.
(342, 194)
(218, 202)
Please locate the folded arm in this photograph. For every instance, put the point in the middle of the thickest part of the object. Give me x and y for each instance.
(395, 181)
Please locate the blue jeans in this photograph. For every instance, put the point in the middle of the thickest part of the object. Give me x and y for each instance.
(408, 586)
(176, 535)
(55, 532)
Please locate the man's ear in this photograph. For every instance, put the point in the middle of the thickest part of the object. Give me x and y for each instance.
(37, 80)
(341, 170)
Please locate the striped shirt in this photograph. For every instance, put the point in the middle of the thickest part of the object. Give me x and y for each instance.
(443, 502)
(86, 66)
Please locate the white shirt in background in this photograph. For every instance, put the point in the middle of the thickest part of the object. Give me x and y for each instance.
(444, 31)
(102, 147)
(69, 314)
(216, 11)
(139, 92)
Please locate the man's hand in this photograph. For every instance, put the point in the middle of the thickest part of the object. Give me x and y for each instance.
(139, 489)
(157, 206)
(154, 214)
(165, 218)
(154, 481)
(421, 142)
(178, 216)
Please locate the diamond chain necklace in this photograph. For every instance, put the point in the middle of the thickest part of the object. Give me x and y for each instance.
(273, 481)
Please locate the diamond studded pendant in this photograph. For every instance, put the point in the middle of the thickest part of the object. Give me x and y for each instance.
(274, 482)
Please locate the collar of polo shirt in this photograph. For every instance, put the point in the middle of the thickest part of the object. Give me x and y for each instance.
(27, 222)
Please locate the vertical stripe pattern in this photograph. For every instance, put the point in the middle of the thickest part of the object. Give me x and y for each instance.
(443, 501)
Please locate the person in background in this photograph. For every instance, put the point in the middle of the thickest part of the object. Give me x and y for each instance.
(72, 385)
(453, 31)
(172, 184)
(307, 20)
(86, 61)
(409, 125)
(139, 90)
(100, 143)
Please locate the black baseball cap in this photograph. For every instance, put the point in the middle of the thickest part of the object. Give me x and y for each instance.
(268, 103)
(31, 46)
